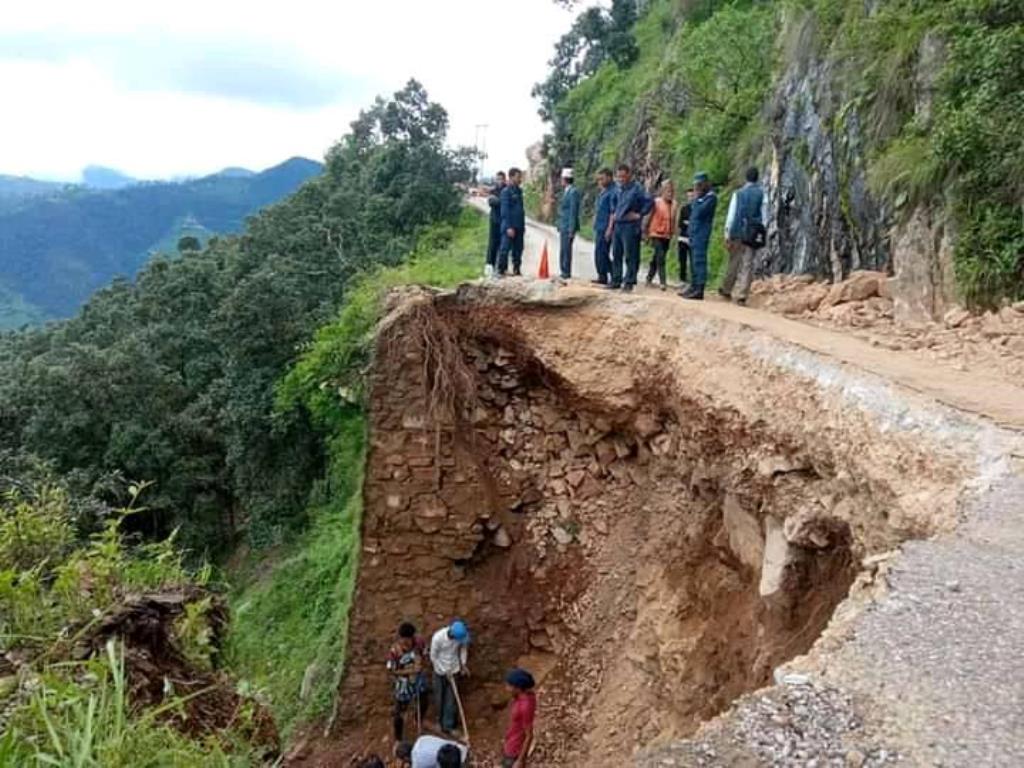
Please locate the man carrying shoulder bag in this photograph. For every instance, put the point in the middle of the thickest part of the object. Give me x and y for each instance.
(745, 234)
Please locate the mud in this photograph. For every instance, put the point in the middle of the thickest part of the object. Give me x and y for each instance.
(652, 519)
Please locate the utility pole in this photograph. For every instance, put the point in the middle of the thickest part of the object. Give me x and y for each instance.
(480, 143)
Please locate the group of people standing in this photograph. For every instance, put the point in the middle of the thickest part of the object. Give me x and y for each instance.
(625, 215)
(447, 657)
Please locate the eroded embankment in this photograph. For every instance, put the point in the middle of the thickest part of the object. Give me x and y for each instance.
(650, 517)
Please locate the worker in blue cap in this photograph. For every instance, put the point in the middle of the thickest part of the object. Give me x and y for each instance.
(702, 218)
(449, 654)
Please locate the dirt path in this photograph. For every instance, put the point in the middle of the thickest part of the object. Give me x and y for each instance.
(972, 391)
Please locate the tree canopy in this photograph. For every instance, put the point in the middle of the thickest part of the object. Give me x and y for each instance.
(171, 378)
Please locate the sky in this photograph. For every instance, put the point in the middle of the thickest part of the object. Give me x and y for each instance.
(159, 89)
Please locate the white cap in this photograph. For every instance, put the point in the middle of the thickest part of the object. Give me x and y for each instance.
(567, 173)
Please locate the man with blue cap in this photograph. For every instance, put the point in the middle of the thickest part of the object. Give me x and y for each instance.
(702, 217)
(632, 204)
(449, 654)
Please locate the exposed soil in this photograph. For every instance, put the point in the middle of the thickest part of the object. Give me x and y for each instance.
(649, 553)
(861, 306)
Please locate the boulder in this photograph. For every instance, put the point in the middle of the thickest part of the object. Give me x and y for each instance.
(778, 554)
(955, 317)
(744, 532)
(860, 285)
(814, 530)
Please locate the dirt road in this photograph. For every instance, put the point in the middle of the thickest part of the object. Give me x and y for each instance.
(972, 391)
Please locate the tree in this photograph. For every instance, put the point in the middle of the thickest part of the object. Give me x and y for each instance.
(171, 379)
(597, 36)
(189, 243)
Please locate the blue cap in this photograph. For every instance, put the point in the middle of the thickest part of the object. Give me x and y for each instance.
(459, 632)
(699, 177)
(520, 678)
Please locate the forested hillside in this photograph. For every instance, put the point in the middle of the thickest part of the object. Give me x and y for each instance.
(880, 127)
(160, 428)
(57, 248)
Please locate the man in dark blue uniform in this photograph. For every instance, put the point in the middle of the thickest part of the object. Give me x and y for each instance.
(603, 210)
(568, 223)
(702, 217)
(494, 201)
(513, 224)
(631, 205)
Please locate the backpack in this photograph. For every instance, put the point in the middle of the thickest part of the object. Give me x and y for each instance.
(409, 688)
(754, 234)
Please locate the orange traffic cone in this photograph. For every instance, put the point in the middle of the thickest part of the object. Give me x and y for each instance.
(543, 273)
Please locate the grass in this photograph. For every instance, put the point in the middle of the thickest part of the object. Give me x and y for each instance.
(291, 614)
(85, 720)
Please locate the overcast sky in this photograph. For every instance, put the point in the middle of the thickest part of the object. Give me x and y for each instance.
(159, 88)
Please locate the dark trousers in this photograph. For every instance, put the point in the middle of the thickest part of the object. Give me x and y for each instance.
(602, 256)
(565, 241)
(699, 255)
(493, 243)
(447, 708)
(511, 246)
(626, 247)
(658, 260)
(398, 714)
(684, 257)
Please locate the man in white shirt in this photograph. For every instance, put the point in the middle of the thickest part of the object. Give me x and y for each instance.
(449, 653)
(432, 752)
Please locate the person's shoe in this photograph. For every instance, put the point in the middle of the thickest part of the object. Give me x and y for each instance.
(627, 288)
(599, 282)
(664, 287)
(649, 282)
(517, 273)
(613, 286)
(724, 294)
(693, 294)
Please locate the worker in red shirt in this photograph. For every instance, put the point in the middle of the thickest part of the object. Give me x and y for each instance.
(522, 712)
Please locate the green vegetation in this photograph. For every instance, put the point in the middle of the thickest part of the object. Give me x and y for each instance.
(58, 248)
(207, 377)
(171, 379)
(691, 98)
(55, 583)
(935, 85)
(81, 717)
(290, 621)
(957, 154)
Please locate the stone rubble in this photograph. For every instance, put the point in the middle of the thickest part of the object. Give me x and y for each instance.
(863, 305)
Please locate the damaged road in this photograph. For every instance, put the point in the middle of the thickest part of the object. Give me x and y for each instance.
(721, 508)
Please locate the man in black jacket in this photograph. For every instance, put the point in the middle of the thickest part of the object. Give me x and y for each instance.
(494, 201)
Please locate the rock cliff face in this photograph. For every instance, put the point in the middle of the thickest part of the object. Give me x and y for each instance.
(823, 218)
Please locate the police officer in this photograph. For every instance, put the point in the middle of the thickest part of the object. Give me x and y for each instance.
(494, 201)
(631, 205)
(513, 224)
(702, 217)
(568, 222)
(603, 210)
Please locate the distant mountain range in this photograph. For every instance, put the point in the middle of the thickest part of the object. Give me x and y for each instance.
(60, 242)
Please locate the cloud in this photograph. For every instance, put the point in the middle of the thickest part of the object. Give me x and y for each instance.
(158, 89)
(257, 71)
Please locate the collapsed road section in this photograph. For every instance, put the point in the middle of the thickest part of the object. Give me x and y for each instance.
(653, 510)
